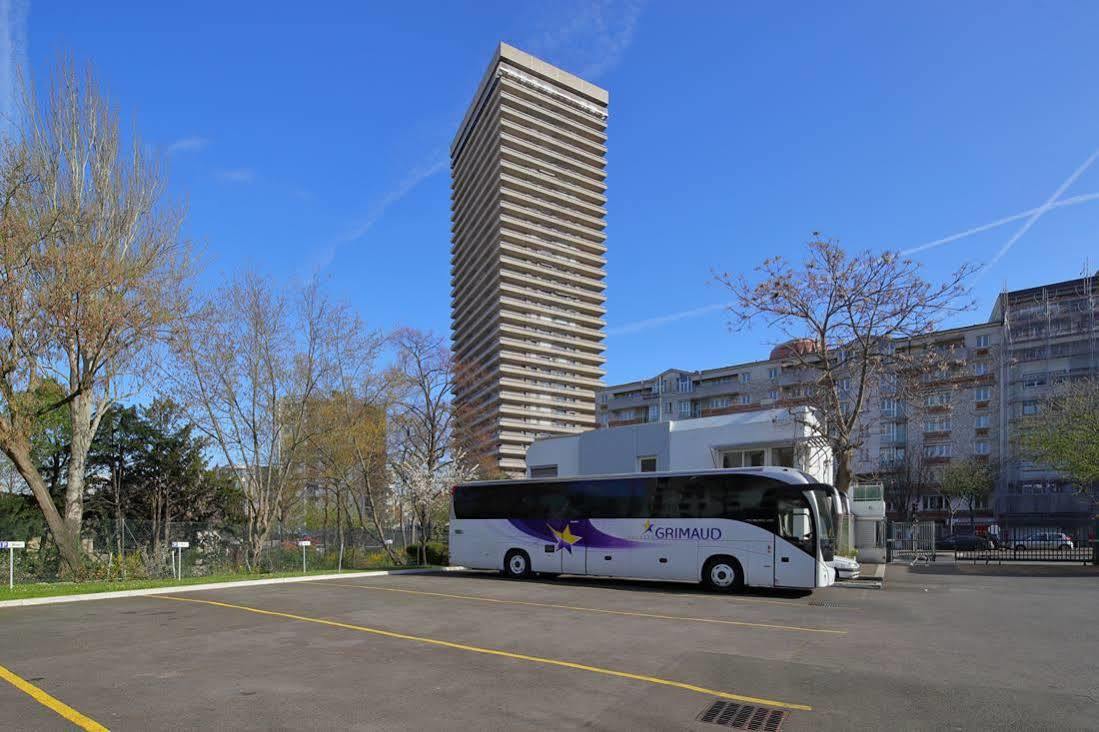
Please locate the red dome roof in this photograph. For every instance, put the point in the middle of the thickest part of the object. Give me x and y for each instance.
(797, 346)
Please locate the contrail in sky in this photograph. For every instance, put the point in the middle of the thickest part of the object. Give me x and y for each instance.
(1072, 201)
(640, 325)
(1043, 208)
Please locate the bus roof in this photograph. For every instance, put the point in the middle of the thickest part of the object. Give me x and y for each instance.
(785, 475)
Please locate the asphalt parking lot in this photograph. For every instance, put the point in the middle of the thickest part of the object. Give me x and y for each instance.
(936, 649)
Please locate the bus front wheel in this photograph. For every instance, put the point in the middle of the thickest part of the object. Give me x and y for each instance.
(517, 564)
(722, 574)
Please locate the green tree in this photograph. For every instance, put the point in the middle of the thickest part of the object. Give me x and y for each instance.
(149, 464)
(93, 265)
(970, 481)
(1065, 433)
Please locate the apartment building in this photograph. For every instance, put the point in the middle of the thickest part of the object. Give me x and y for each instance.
(528, 196)
(997, 373)
(1050, 334)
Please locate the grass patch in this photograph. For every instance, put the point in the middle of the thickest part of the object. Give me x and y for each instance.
(56, 589)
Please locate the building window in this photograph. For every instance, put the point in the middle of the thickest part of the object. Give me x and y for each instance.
(646, 464)
(980, 368)
(982, 421)
(1030, 409)
(668, 408)
(684, 408)
(1031, 381)
(773, 394)
(745, 377)
(981, 447)
(981, 341)
(742, 459)
(685, 385)
(783, 456)
(772, 373)
(720, 402)
(938, 399)
(938, 424)
(933, 503)
(654, 412)
(543, 471)
(937, 451)
(982, 394)
(602, 397)
(745, 399)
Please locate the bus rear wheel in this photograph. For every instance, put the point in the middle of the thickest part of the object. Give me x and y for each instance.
(517, 564)
(722, 574)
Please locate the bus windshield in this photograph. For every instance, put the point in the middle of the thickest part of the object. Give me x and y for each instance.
(826, 515)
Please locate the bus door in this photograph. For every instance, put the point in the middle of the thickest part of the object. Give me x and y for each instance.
(575, 561)
(795, 544)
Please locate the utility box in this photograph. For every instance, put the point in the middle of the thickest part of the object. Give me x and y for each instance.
(868, 509)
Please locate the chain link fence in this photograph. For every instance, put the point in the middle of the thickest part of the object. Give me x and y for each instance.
(142, 550)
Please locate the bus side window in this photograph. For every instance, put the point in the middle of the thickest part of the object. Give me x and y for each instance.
(793, 521)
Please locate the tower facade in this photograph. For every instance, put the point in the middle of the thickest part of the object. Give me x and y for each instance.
(528, 267)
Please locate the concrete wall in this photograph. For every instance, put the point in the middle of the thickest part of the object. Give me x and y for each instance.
(681, 445)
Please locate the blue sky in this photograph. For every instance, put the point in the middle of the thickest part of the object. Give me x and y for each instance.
(313, 139)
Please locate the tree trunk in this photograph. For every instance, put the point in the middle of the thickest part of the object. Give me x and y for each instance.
(68, 545)
(80, 413)
(844, 460)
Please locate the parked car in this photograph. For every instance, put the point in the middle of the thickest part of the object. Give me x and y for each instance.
(963, 542)
(1046, 540)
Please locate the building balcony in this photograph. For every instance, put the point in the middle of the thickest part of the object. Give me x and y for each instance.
(1050, 503)
(625, 422)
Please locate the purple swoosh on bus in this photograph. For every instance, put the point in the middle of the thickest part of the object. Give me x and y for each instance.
(587, 535)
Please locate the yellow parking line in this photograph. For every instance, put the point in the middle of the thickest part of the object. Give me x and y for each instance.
(494, 652)
(48, 701)
(771, 626)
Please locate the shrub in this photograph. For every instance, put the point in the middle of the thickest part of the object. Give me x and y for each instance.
(437, 553)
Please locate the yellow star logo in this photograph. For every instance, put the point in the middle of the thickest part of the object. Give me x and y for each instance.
(565, 537)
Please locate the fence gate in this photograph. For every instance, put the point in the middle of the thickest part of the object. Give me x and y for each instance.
(911, 541)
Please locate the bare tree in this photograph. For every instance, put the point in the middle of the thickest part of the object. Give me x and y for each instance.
(844, 314)
(905, 479)
(248, 364)
(425, 459)
(348, 448)
(91, 270)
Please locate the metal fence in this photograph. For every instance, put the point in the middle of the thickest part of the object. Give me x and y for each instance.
(138, 550)
(1033, 545)
(911, 541)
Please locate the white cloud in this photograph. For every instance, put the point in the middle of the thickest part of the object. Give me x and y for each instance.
(187, 144)
(638, 326)
(237, 175)
(13, 58)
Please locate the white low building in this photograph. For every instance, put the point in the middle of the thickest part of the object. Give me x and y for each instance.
(780, 437)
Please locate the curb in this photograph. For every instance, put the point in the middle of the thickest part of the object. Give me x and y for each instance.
(213, 586)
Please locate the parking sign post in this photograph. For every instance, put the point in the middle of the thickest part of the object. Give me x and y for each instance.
(11, 546)
(179, 546)
(304, 544)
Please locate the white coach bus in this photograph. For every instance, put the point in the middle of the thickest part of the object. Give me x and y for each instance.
(759, 527)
